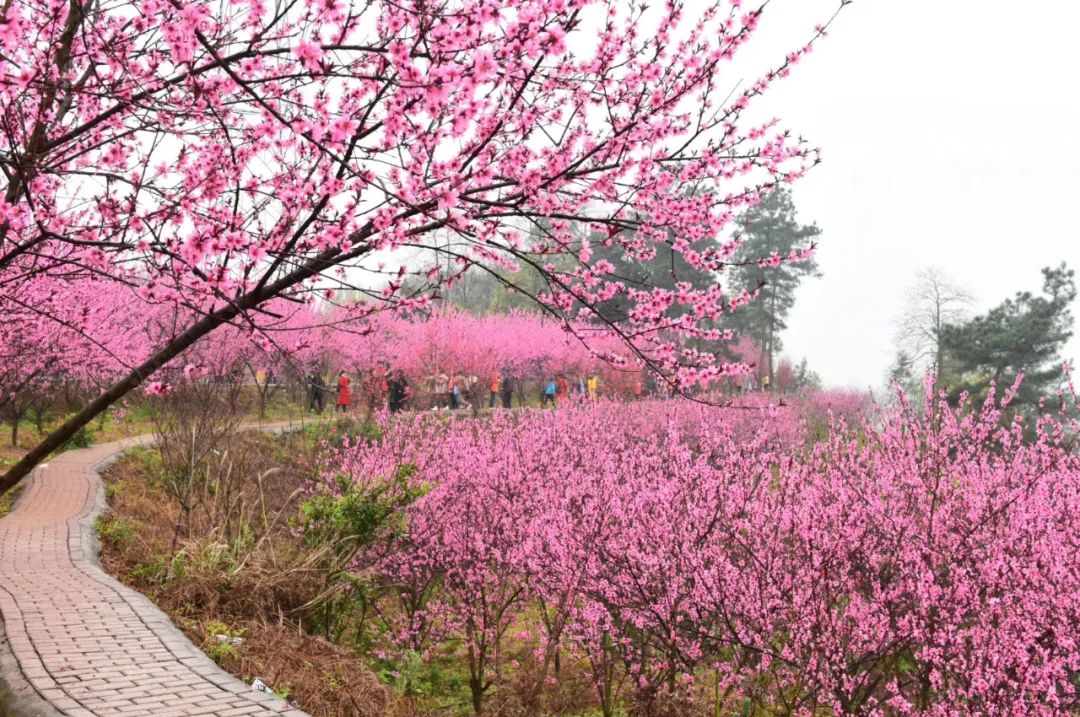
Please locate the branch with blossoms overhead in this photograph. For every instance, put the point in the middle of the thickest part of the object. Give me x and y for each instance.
(220, 157)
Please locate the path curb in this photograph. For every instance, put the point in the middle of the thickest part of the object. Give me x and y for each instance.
(78, 643)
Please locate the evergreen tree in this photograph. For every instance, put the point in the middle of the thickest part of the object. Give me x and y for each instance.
(665, 270)
(903, 374)
(770, 227)
(1025, 333)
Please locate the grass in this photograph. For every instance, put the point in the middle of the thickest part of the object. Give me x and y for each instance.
(238, 576)
(7, 500)
(115, 530)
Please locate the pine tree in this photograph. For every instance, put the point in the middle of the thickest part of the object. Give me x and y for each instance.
(1024, 333)
(770, 227)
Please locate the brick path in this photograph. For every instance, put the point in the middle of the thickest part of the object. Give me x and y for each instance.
(86, 644)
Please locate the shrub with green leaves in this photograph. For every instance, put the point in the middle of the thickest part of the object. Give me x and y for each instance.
(82, 439)
(115, 530)
(350, 515)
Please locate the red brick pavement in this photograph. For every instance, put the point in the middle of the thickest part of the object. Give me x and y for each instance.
(84, 642)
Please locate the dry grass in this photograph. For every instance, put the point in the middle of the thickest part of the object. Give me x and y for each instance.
(236, 569)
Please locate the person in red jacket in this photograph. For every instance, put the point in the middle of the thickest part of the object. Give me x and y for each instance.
(344, 394)
(562, 390)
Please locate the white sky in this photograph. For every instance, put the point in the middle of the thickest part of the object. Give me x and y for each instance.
(950, 131)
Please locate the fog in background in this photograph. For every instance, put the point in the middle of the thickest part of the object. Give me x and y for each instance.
(949, 132)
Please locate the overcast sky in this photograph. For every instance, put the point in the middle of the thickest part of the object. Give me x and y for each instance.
(949, 130)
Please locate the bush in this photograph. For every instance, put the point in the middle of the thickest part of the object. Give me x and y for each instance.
(354, 514)
(82, 438)
(115, 530)
(220, 642)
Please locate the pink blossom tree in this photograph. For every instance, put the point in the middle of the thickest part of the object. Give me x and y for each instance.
(67, 333)
(225, 156)
(698, 557)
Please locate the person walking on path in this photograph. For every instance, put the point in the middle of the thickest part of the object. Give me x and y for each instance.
(441, 390)
(457, 388)
(378, 386)
(344, 394)
(493, 389)
(397, 390)
(507, 388)
(592, 387)
(317, 391)
(562, 389)
(748, 383)
(549, 392)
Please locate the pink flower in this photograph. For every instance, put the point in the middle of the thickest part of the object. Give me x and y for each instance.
(157, 388)
(484, 66)
(342, 128)
(448, 199)
(310, 55)
(556, 40)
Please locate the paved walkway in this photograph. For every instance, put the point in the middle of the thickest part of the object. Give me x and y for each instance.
(84, 643)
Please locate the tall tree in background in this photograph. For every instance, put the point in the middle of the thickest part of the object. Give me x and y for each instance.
(485, 289)
(933, 302)
(902, 373)
(1023, 334)
(770, 229)
(641, 264)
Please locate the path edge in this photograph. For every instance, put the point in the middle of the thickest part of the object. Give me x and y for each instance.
(19, 698)
(163, 625)
(90, 539)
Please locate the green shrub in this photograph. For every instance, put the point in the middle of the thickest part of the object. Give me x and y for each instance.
(115, 530)
(156, 571)
(341, 522)
(82, 439)
(357, 514)
(220, 641)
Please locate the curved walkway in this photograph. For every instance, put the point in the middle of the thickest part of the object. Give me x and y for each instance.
(84, 643)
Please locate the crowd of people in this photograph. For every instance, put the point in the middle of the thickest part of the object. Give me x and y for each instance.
(389, 387)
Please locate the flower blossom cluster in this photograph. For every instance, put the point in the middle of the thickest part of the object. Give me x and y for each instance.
(929, 565)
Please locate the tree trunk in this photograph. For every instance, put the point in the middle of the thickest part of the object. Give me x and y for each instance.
(938, 361)
(772, 338)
